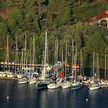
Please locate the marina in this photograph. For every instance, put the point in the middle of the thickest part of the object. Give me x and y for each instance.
(53, 54)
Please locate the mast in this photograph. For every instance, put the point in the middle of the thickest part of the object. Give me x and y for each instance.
(22, 59)
(62, 56)
(33, 52)
(81, 64)
(75, 61)
(72, 55)
(66, 54)
(98, 72)
(93, 64)
(25, 49)
(105, 67)
(16, 53)
(65, 64)
(72, 51)
(45, 58)
(56, 51)
(45, 51)
(7, 53)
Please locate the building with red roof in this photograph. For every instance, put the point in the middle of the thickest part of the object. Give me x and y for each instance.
(101, 19)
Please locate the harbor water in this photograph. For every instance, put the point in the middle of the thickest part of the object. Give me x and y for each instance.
(13, 95)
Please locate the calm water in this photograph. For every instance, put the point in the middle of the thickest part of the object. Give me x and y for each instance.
(26, 96)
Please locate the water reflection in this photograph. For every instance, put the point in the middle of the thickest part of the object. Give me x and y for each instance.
(26, 96)
(96, 98)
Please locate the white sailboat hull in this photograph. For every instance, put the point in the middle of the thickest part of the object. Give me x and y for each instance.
(32, 80)
(53, 86)
(66, 85)
(22, 81)
(94, 87)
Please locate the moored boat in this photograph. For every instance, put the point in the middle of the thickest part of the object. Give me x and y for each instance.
(94, 87)
(32, 80)
(41, 85)
(22, 81)
(76, 85)
(55, 84)
(66, 84)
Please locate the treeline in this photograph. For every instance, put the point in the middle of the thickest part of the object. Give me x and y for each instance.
(65, 20)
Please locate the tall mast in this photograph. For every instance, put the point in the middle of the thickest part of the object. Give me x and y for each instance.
(66, 54)
(45, 57)
(75, 60)
(25, 49)
(7, 52)
(105, 67)
(72, 52)
(93, 64)
(81, 64)
(16, 53)
(98, 72)
(56, 51)
(33, 51)
(45, 52)
(65, 63)
(62, 56)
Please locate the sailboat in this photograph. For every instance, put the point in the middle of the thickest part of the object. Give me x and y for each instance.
(57, 83)
(21, 78)
(65, 84)
(32, 79)
(8, 73)
(75, 84)
(94, 84)
(43, 82)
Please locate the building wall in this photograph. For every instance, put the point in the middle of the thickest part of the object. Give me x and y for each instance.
(103, 22)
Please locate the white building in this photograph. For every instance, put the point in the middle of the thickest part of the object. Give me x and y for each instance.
(101, 19)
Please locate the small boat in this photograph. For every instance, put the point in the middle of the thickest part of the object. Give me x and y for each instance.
(76, 85)
(66, 84)
(41, 85)
(32, 80)
(94, 87)
(22, 81)
(9, 74)
(55, 84)
(43, 78)
(19, 76)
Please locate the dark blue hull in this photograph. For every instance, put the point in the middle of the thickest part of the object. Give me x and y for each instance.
(41, 85)
(76, 87)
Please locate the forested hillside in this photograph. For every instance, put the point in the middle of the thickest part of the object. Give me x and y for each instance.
(65, 20)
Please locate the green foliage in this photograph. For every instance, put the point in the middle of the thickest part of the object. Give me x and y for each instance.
(65, 20)
(96, 43)
(15, 18)
(2, 6)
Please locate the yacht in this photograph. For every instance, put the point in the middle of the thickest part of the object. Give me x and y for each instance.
(32, 80)
(76, 85)
(66, 84)
(41, 84)
(55, 84)
(22, 81)
(94, 87)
